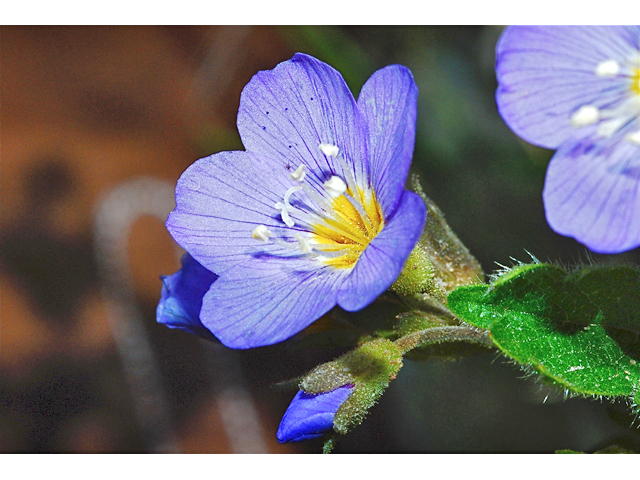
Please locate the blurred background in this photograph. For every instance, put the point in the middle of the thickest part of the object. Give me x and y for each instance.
(98, 123)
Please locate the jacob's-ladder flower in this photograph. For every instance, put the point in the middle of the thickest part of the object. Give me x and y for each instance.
(314, 213)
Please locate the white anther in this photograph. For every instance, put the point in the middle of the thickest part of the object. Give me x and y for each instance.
(329, 150)
(299, 174)
(335, 186)
(608, 68)
(305, 246)
(634, 137)
(585, 115)
(284, 207)
(261, 232)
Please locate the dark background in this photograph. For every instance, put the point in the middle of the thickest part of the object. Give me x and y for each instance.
(97, 124)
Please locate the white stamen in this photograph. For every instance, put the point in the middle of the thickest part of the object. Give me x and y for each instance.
(286, 245)
(284, 207)
(261, 232)
(608, 68)
(305, 246)
(329, 150)
(585, 115)
(634, 137)
(299, 174)
(323, 253)
(335, 186)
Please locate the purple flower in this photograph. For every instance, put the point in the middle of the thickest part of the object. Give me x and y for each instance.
(181, 297)
(309, 416)
(577, 90)
(314, 213)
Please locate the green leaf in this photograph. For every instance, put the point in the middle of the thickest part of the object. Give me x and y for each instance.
(580, 330)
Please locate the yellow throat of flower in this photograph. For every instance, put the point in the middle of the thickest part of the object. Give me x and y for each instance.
(356, 222)
(635, 83)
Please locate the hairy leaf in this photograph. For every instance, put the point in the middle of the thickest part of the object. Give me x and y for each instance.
(580, 330)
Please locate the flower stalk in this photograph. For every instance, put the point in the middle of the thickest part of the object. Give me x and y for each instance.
(445, 334)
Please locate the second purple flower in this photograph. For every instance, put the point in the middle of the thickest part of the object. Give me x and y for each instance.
(577, 89)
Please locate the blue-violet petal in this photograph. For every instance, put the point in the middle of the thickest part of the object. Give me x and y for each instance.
(309, 416)
(388, 101)
(592, 193)
(265, 302)
(287, 112)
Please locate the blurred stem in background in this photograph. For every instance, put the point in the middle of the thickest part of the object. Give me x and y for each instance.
(115, 216)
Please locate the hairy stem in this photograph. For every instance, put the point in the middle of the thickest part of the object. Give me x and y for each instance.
(437, 335)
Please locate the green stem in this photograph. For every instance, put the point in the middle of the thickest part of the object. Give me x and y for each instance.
(430, 304)
(329, 444)
(437, 335)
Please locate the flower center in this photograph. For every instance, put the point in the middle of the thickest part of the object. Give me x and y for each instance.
(350, 230)
(332, 224)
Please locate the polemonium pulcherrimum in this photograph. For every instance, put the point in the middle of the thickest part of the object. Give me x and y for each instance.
(314, 213)
(310, 415)
(577, 89)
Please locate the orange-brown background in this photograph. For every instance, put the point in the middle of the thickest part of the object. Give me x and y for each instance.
(84, 109)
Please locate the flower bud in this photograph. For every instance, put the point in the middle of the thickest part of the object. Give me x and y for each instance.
(310, 415)
(181, 298)
(367, 370)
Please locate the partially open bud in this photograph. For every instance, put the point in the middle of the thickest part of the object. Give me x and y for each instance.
(310, 415)
(367, 370)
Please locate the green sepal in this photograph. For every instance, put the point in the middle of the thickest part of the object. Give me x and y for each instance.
(369, 368)
(439, 262)
(329, 444)
(418, 276)
(452, 263)
(579, 330)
